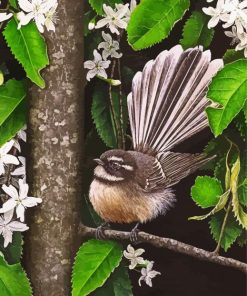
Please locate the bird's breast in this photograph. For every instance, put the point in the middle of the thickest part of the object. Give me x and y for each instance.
(120, 203)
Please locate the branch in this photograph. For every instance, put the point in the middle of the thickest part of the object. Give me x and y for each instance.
(170, 244)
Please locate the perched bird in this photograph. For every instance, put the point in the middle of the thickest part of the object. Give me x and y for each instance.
(166, 106)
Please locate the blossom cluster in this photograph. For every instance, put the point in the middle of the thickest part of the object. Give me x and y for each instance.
(14, 196)
(233, 14)
(147, 272)
(43, 12)
(115, 20)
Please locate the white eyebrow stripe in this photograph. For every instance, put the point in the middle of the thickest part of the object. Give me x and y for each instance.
(127, 167)
(115, 158)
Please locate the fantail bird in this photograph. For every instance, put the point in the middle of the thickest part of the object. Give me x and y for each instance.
(166, 106)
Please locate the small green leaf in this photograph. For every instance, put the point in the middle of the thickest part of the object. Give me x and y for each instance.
(220, 205)
(12, 109)
(97, 5)
(151, 22)
(228, 88)
(29, 48)
(238, 210)
(117, 285)
(94, 263)
(12, 253)
(232, 229)
(13, 280)
(206, 191)
(231, 55)
(196, 32)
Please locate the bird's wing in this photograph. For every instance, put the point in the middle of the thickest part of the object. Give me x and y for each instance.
(168, 98)
(171, 167)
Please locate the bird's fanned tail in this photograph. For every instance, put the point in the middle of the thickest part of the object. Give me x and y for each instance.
(168, 98)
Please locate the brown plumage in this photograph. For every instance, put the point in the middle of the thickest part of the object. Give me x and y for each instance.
(166, 106)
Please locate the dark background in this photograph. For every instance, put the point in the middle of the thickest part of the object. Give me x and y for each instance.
(181, 275)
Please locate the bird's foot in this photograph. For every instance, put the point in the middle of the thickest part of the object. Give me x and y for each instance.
(100, 231)
(134, 235)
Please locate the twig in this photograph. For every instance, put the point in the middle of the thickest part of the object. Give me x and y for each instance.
(114, 117)
(170, 244)
(121, 105)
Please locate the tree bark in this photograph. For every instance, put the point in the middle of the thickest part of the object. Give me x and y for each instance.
(55, 141)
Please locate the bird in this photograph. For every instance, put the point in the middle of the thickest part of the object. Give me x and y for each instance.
(166, 106)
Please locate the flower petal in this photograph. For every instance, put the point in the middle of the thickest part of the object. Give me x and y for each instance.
(11, 191)
(25, 5)
(89, 65)
(101, 23)
(5, 16)
(8, 205)
(6, 147)
(7, 235)
(20, 212)
(23, 189)
(17, 226)
(8, 216)
(8, 158)
(31, 201)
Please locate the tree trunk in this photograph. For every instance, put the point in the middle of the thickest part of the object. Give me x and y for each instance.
(55, 140)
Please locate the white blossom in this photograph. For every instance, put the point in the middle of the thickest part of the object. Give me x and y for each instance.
(21, 170)
(233, 34)
(19, 201)
(134, 256)
(109, 46)
(243, 43)
(114, 18)
(97, 66)
(129, 11)
(5, 16)
(51, 18)
(36, 10)
(237, 15)
(148, 274)
(20, 135)
(217, 14)
(6, 158)
(7, 227)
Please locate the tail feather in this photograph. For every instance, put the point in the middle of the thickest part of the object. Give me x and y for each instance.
(168, 99)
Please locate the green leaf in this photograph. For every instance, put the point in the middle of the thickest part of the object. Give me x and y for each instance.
(94, 263)
(228, 88)
(231, 55)
(196, 32)
(240, 124)
(242, 239)
(97, 5)
(117, 285)
(102, 116)
(29, 48)
(13, 280)
(206, 191)
(13, 252)
(220, 205)
(151, 22)
(245, 111)
(12, 93)
(13, 3)
(12, 109)
(231, 232)
(238, 210)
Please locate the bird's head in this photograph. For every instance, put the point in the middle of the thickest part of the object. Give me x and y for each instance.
(115, 166)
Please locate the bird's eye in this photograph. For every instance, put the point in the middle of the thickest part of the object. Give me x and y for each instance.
(115, 165)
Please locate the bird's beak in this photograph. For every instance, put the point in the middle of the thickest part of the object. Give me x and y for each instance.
(98, 161)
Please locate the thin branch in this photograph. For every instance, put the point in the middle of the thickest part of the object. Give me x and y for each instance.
(171, 244)
(121, 105)
(113, 113)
